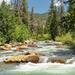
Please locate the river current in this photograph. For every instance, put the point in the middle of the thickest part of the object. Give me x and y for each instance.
(43, 67)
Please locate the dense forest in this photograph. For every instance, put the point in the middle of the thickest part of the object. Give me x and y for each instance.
(18, 24)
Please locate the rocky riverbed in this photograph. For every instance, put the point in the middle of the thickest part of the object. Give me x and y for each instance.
(37, 58)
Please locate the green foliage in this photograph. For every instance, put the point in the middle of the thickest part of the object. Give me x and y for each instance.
(11, 26)
(51, 23)
(69, 19)
(2, 39)
(21, 33)
(53, 26)
(7, 22)
(41, 38)
(25, 14)
(17, 16)
(67, 40)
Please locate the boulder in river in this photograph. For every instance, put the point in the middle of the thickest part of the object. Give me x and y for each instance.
(13, 45)
(18, 50)
(32, 45)
(57, 43)
(57, 61)
(5, 48)
(8, 46)
(39, 47)
(19, 44)
(24, 58)
(23, 47)
(48, 41)
(32, 53)
(29, 41)
(59, 47)
(48, 44)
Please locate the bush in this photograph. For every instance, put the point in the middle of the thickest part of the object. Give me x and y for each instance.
(67, 40)
(41, 38)
(2, 39)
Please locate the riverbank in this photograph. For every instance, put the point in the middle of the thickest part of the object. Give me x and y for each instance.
(67, 40)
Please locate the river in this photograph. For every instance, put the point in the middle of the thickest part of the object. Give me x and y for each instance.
(43, 67)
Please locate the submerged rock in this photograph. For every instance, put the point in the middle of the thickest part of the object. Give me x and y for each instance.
(23, 47)
(32, 45)
(39, 47)
(8, 46)
(29, 41)
(57, 43)
(32, 53)
(18, 50)
(4, 48)
(48, 44)
(24, 58)
(48, 41)
(57, 61)
(19, 44)
(59, 47)
(13, 45)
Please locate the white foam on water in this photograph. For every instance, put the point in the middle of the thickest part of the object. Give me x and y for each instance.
(43, 59)
(72, 60)
(2, 58)
(6, 51)
(14, 48)
(46, 67)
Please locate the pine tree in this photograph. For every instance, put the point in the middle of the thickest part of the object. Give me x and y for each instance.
(51, 22)
(53, 25)
(32, 21)
(48, 22)
(69, 25)
(71, 15)
(17, 16)
(25, 14)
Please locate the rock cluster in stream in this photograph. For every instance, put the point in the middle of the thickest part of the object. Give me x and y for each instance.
(28, 57)
(14, 44)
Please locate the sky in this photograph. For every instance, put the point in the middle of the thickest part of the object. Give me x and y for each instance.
(40, 6)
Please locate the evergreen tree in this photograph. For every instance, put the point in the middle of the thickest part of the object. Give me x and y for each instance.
(32, 21)
(50, 14)
(17, 16)
(51, 22)
(53, 25)
(69, 19)
(25, 14)
(7, 22)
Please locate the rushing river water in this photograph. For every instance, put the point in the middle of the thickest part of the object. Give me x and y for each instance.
(43, 67)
